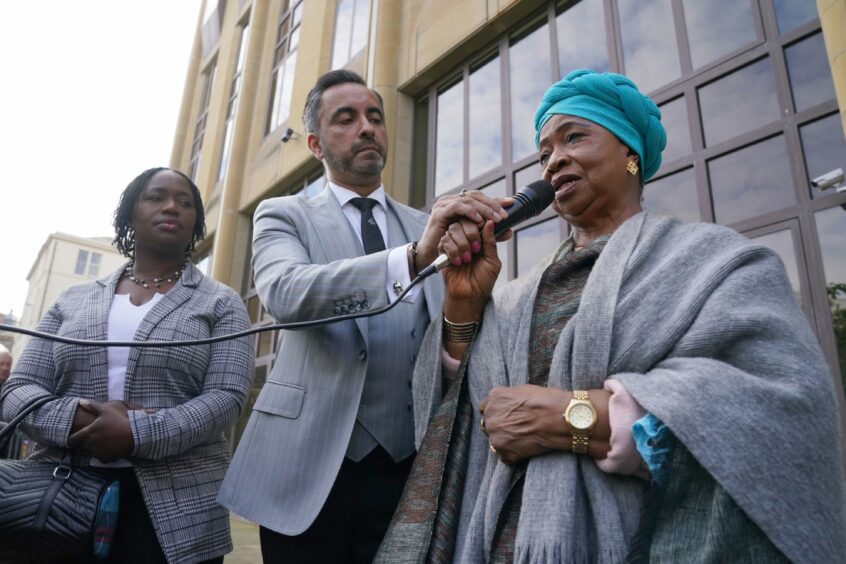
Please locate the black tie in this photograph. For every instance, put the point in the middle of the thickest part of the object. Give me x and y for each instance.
(371, 236)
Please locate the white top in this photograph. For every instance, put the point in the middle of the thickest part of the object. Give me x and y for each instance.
(397, 257)
(124, 320)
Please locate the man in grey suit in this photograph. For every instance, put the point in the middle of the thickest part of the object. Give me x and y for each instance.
(324, 457)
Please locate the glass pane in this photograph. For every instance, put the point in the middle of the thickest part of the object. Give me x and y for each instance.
(360, 26)
(527, 175)
(673, 195)
(674, 118)
(651, 56)
(286, 88)
(343, 27)
(740, 102)
(242, 48)
(810, 75)
(298, 13)
(529, 65)
(831, 225)
(253, 308)
(81, 262)
(503, 250)
(535, 242)
(449, 151)
(94, 265)
(824, 147)
(581, 38)
(710, 40)
(782, 243)
(793, 13)
(265, 343)
(227, 147)
(295, 38)
(485, 123)
(752, 181)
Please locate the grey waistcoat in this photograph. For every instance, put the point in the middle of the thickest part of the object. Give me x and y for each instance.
(385, 411)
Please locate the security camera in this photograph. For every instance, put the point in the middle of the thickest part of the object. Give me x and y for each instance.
(831, 179)
(289, 134)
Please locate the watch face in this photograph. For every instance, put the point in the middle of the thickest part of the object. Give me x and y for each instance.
(581, 416)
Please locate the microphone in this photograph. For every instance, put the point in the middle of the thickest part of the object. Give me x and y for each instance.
(528, 202)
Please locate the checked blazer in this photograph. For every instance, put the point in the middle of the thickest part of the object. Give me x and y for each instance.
(309, 264)
(180, 453)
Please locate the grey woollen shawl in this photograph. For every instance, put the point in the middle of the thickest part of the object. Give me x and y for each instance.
(702, 328)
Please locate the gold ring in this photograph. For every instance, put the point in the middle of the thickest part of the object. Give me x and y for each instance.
(493, 450)
(482, 425)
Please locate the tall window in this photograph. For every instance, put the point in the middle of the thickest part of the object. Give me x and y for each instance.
(749, 108)
(284, 62)
(234, 90)
(87, 264)
(202, 116)
(351, 25)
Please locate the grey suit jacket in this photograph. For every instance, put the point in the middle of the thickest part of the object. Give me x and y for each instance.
(308, 261)
(180, 453)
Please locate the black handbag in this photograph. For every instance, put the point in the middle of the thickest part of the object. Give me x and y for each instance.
(54, 511)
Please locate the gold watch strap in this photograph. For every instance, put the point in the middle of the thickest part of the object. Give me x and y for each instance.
(581, 437)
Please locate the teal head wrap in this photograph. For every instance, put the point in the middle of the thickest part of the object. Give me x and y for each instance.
(614, 102)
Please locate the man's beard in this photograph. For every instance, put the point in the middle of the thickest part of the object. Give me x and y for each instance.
(348, 165)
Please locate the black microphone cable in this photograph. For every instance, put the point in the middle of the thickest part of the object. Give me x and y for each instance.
(429, 270)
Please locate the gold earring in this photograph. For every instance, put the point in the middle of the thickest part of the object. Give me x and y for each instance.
(631, 167)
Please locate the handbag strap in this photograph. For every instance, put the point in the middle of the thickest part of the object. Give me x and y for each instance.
(10, 426)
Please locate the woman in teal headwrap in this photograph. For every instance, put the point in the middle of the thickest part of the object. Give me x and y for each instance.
(650, 391)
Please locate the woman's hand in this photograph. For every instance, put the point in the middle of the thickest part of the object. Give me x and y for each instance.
(526, 421)
(108, 436)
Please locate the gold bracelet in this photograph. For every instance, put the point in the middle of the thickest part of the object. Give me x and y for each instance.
(460, 332)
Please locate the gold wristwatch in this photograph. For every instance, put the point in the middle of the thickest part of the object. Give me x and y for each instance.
(580, 415)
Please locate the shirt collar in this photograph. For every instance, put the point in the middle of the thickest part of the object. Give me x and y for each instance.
(344, 195)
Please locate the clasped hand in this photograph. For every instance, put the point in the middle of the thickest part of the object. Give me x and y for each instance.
(103, 429)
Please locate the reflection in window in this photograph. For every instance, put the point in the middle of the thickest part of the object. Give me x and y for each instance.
(824, 147)
(351, 28)
(674, 119)
(284, 61)
(810, 75)
(710, 41)
(503, 250)
(527, 175)
(235, 88)
(449, 151)
(740, 102)
(752, 181)
(831, 225)
(651, 56)
(81, 262)
(793, 13)
(581, 38)
(485, 124)
(673, 195)
(200, 127)
(535, 242)
(529, 64)
(782, 243)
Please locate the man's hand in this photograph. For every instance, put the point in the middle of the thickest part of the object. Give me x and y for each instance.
(108, 436)
(471, 205)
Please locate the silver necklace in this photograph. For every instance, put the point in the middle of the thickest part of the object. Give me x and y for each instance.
(128, 272)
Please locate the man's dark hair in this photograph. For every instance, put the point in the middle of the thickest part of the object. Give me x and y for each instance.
(311, 112)
(125, 234)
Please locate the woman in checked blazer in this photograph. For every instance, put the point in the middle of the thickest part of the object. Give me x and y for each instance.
(156, 416)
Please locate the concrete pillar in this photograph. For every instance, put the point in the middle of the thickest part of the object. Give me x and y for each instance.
(225, 237)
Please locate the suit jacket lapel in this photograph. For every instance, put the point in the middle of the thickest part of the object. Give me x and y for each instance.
(336, 237)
